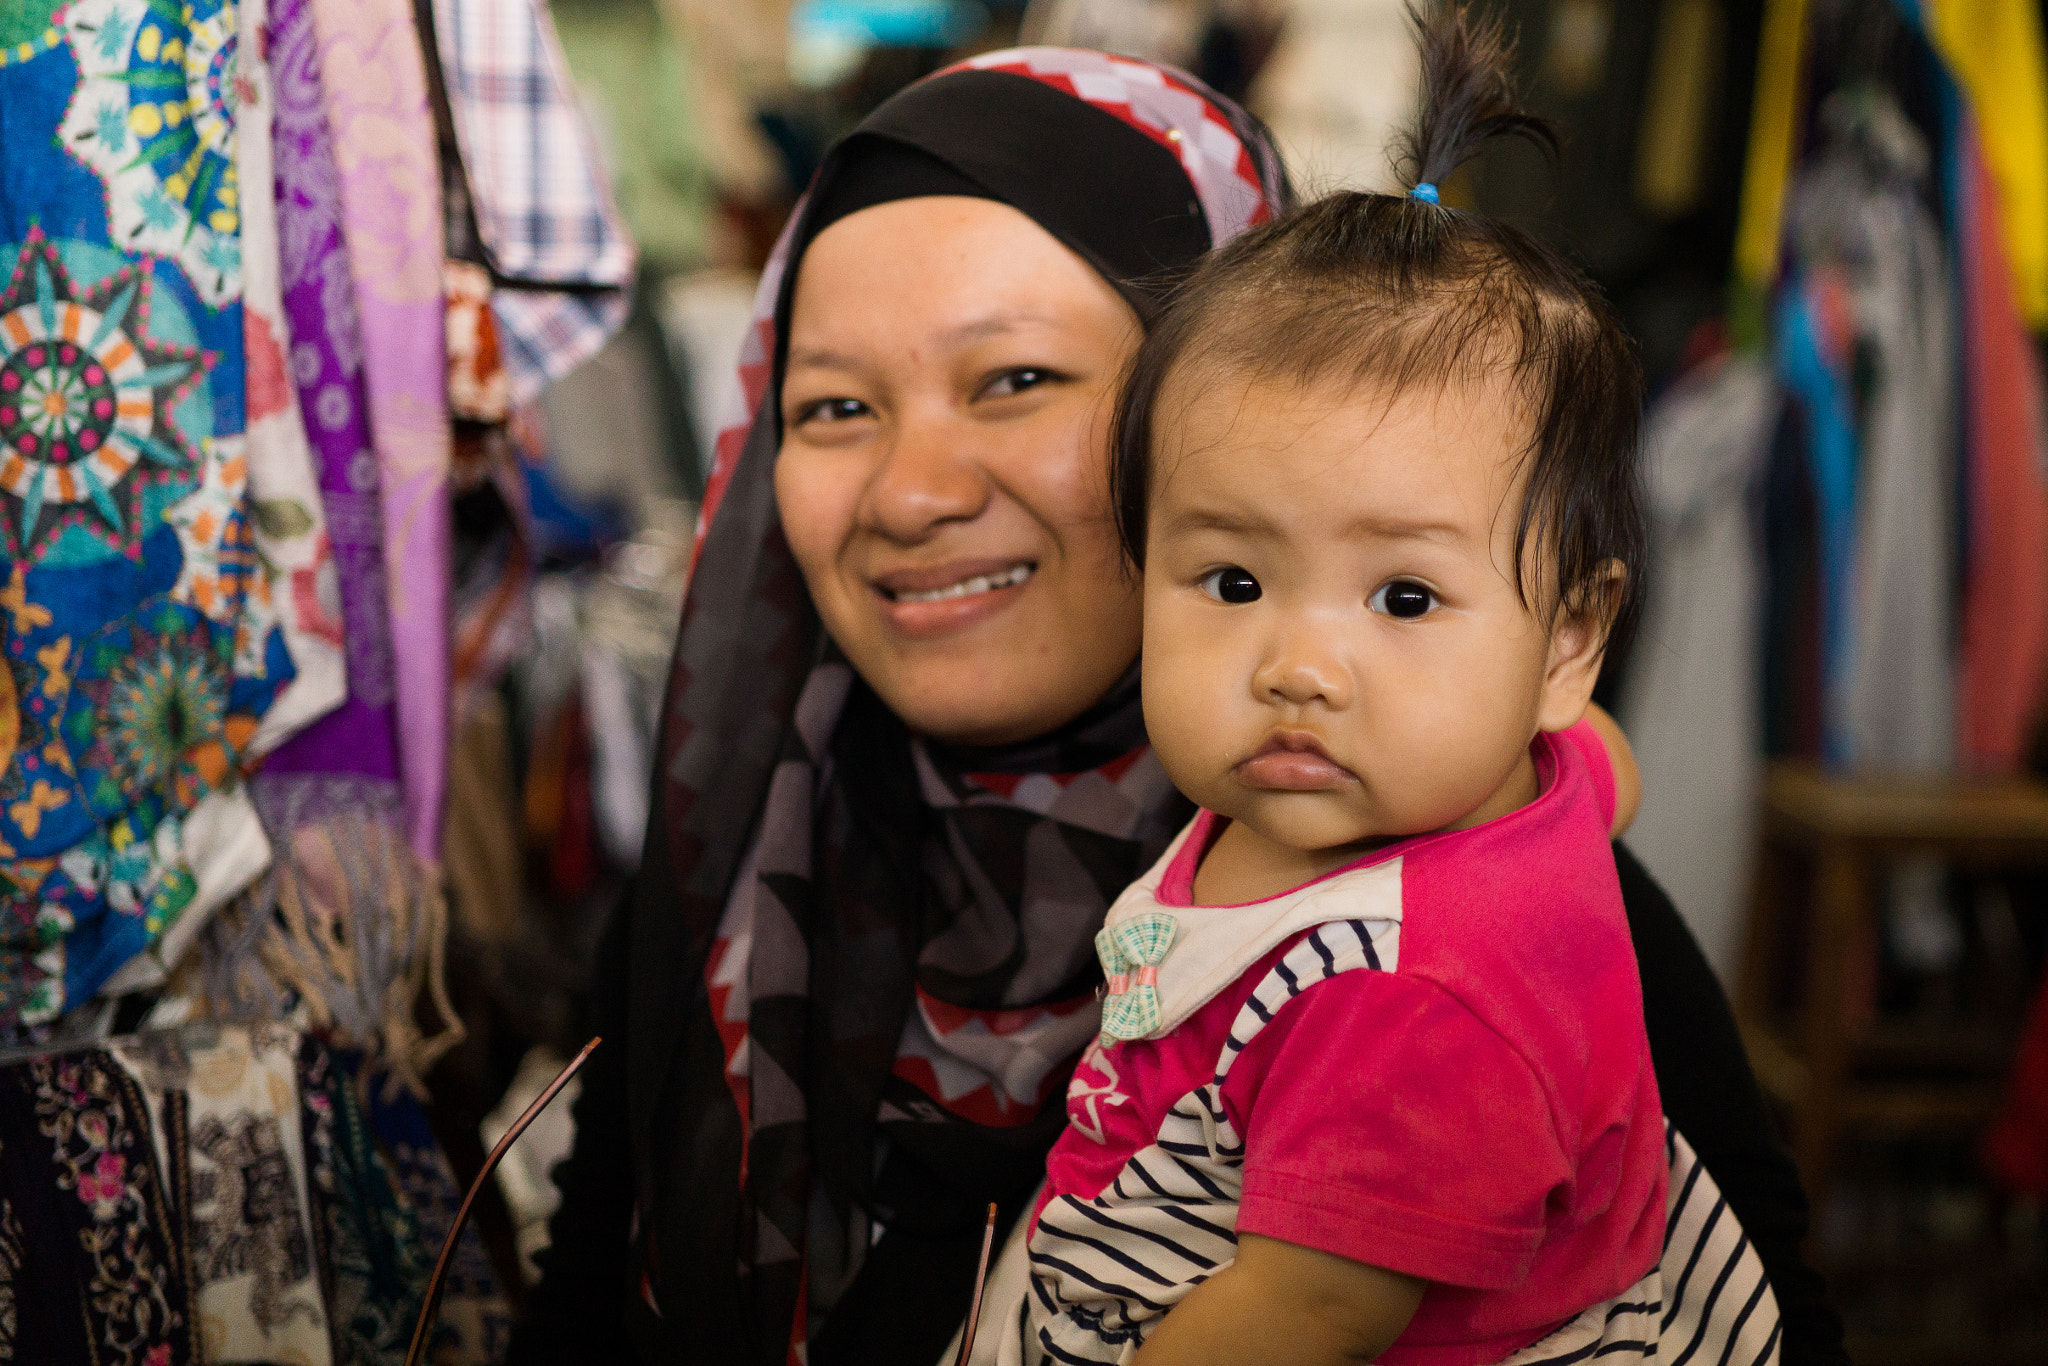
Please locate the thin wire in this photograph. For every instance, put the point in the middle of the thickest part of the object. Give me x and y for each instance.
(415, 1354)
(988, 1241)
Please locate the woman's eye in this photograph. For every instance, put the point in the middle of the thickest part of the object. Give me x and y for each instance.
(1231, 584)
(1403, 600)
(830, 410)
(1015, 382)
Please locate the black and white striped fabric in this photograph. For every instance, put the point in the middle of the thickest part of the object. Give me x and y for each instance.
(1097, 1275)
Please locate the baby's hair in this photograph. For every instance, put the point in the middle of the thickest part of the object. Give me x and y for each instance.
(1399, 291)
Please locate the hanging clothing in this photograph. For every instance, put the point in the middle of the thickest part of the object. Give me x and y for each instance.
(224, 1114)
(374, 90)
(1690, 703)
(298, 584)
(136, 673)
(1996, 51)
(207, 1194)
(559, 254)
(91, 1270)
(2005, 575)
(1898, 696)
(347, 925)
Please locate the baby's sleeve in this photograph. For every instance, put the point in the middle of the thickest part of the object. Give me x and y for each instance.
(1386, 1123)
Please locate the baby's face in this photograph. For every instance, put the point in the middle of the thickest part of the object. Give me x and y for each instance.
(1335, 652)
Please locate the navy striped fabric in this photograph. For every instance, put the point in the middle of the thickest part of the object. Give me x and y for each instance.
(1103, 1272)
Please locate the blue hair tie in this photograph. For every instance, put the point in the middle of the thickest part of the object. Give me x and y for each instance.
(1425, 192)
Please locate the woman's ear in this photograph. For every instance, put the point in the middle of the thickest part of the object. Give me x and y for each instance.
(1578, 643)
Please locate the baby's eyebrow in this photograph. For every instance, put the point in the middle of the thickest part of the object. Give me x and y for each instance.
(1219, 519)
(1407, 528)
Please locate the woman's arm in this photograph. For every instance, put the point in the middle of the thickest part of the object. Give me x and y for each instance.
(1280, 1304)
(1712, 1097)
(578, 1312)
(1628, 779)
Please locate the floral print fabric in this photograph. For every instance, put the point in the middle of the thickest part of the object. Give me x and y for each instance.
(216, 1194)
(89, 1270)
(134, 677)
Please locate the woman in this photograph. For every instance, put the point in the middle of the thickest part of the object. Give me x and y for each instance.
(903, 768)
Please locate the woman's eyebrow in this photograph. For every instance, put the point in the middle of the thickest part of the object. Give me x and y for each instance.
(979, 329)
(821, 358)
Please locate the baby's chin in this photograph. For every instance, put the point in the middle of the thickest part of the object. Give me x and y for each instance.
(1314, 822)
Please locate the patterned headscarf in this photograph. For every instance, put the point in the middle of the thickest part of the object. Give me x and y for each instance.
(861, 963)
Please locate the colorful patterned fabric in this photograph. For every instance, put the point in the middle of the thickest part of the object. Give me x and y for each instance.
(474, 1322)
(136, 676)
(372, 1261)
(91, 1272)
(297, 586)
(224, 1108)
(345, 926)
(374, 92)
(543, 204)
(319, 298)
(801, 841)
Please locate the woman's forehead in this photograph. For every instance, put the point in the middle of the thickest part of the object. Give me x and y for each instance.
(947, 268)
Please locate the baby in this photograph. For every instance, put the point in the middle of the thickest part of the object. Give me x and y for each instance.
(1372, 1080)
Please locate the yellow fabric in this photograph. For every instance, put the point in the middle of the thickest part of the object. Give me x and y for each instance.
(1995, 49)
(1773, 130)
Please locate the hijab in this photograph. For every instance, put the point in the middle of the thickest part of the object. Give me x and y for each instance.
(861, 963)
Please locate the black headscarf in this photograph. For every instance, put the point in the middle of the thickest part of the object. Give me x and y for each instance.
(855, 903)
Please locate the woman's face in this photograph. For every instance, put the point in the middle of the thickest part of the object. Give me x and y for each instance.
(942, 478)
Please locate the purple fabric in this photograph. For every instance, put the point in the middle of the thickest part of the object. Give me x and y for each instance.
(373, 88)
(360, 737)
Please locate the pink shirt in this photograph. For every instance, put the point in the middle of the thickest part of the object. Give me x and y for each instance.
(1481, 1112)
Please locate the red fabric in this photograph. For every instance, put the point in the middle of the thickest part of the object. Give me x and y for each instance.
(2005, 592)
(2016, 1150)
(1484, 1115)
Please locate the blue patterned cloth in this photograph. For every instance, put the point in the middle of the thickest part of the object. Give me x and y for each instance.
(131, 678)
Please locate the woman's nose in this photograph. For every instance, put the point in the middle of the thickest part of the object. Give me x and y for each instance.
(1300, 669)
(924, 481)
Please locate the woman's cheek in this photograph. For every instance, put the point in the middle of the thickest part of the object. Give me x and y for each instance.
(816, 512)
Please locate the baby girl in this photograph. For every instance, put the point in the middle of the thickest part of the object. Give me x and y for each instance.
(1372, 1080)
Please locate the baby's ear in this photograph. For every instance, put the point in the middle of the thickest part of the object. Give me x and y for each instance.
(1578, 642)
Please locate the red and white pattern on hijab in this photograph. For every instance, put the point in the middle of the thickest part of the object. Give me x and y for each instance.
(992, 1067)
(1235, 191)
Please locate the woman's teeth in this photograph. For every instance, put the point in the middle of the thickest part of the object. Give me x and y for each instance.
(967, 588)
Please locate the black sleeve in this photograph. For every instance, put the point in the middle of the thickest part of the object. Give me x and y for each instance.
(1712, 1097)
(580, 1309)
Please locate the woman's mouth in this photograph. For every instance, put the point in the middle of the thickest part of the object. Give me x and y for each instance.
(965, 588)
(1293, 761)
(942, 599)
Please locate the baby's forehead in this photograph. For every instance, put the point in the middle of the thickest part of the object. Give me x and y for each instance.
(1345, 436)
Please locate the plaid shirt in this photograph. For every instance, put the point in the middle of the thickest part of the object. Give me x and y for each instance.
(553, 238)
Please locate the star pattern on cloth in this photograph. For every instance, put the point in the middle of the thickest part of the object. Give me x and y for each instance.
(154, 118)
(86, 397)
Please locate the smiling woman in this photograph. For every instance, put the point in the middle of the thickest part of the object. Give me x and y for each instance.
(952, 368)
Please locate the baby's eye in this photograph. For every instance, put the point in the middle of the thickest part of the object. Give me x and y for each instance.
(1015, 382)
(830, 410)
(1402, 600)
(1231, 584)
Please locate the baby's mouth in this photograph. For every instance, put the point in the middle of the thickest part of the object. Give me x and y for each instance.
(968, 587)
(1294, 761)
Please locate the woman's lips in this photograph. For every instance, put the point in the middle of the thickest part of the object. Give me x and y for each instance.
(1294, 761)
(936, 600)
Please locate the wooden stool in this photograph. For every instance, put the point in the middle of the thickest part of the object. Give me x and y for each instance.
(1816, 1059)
